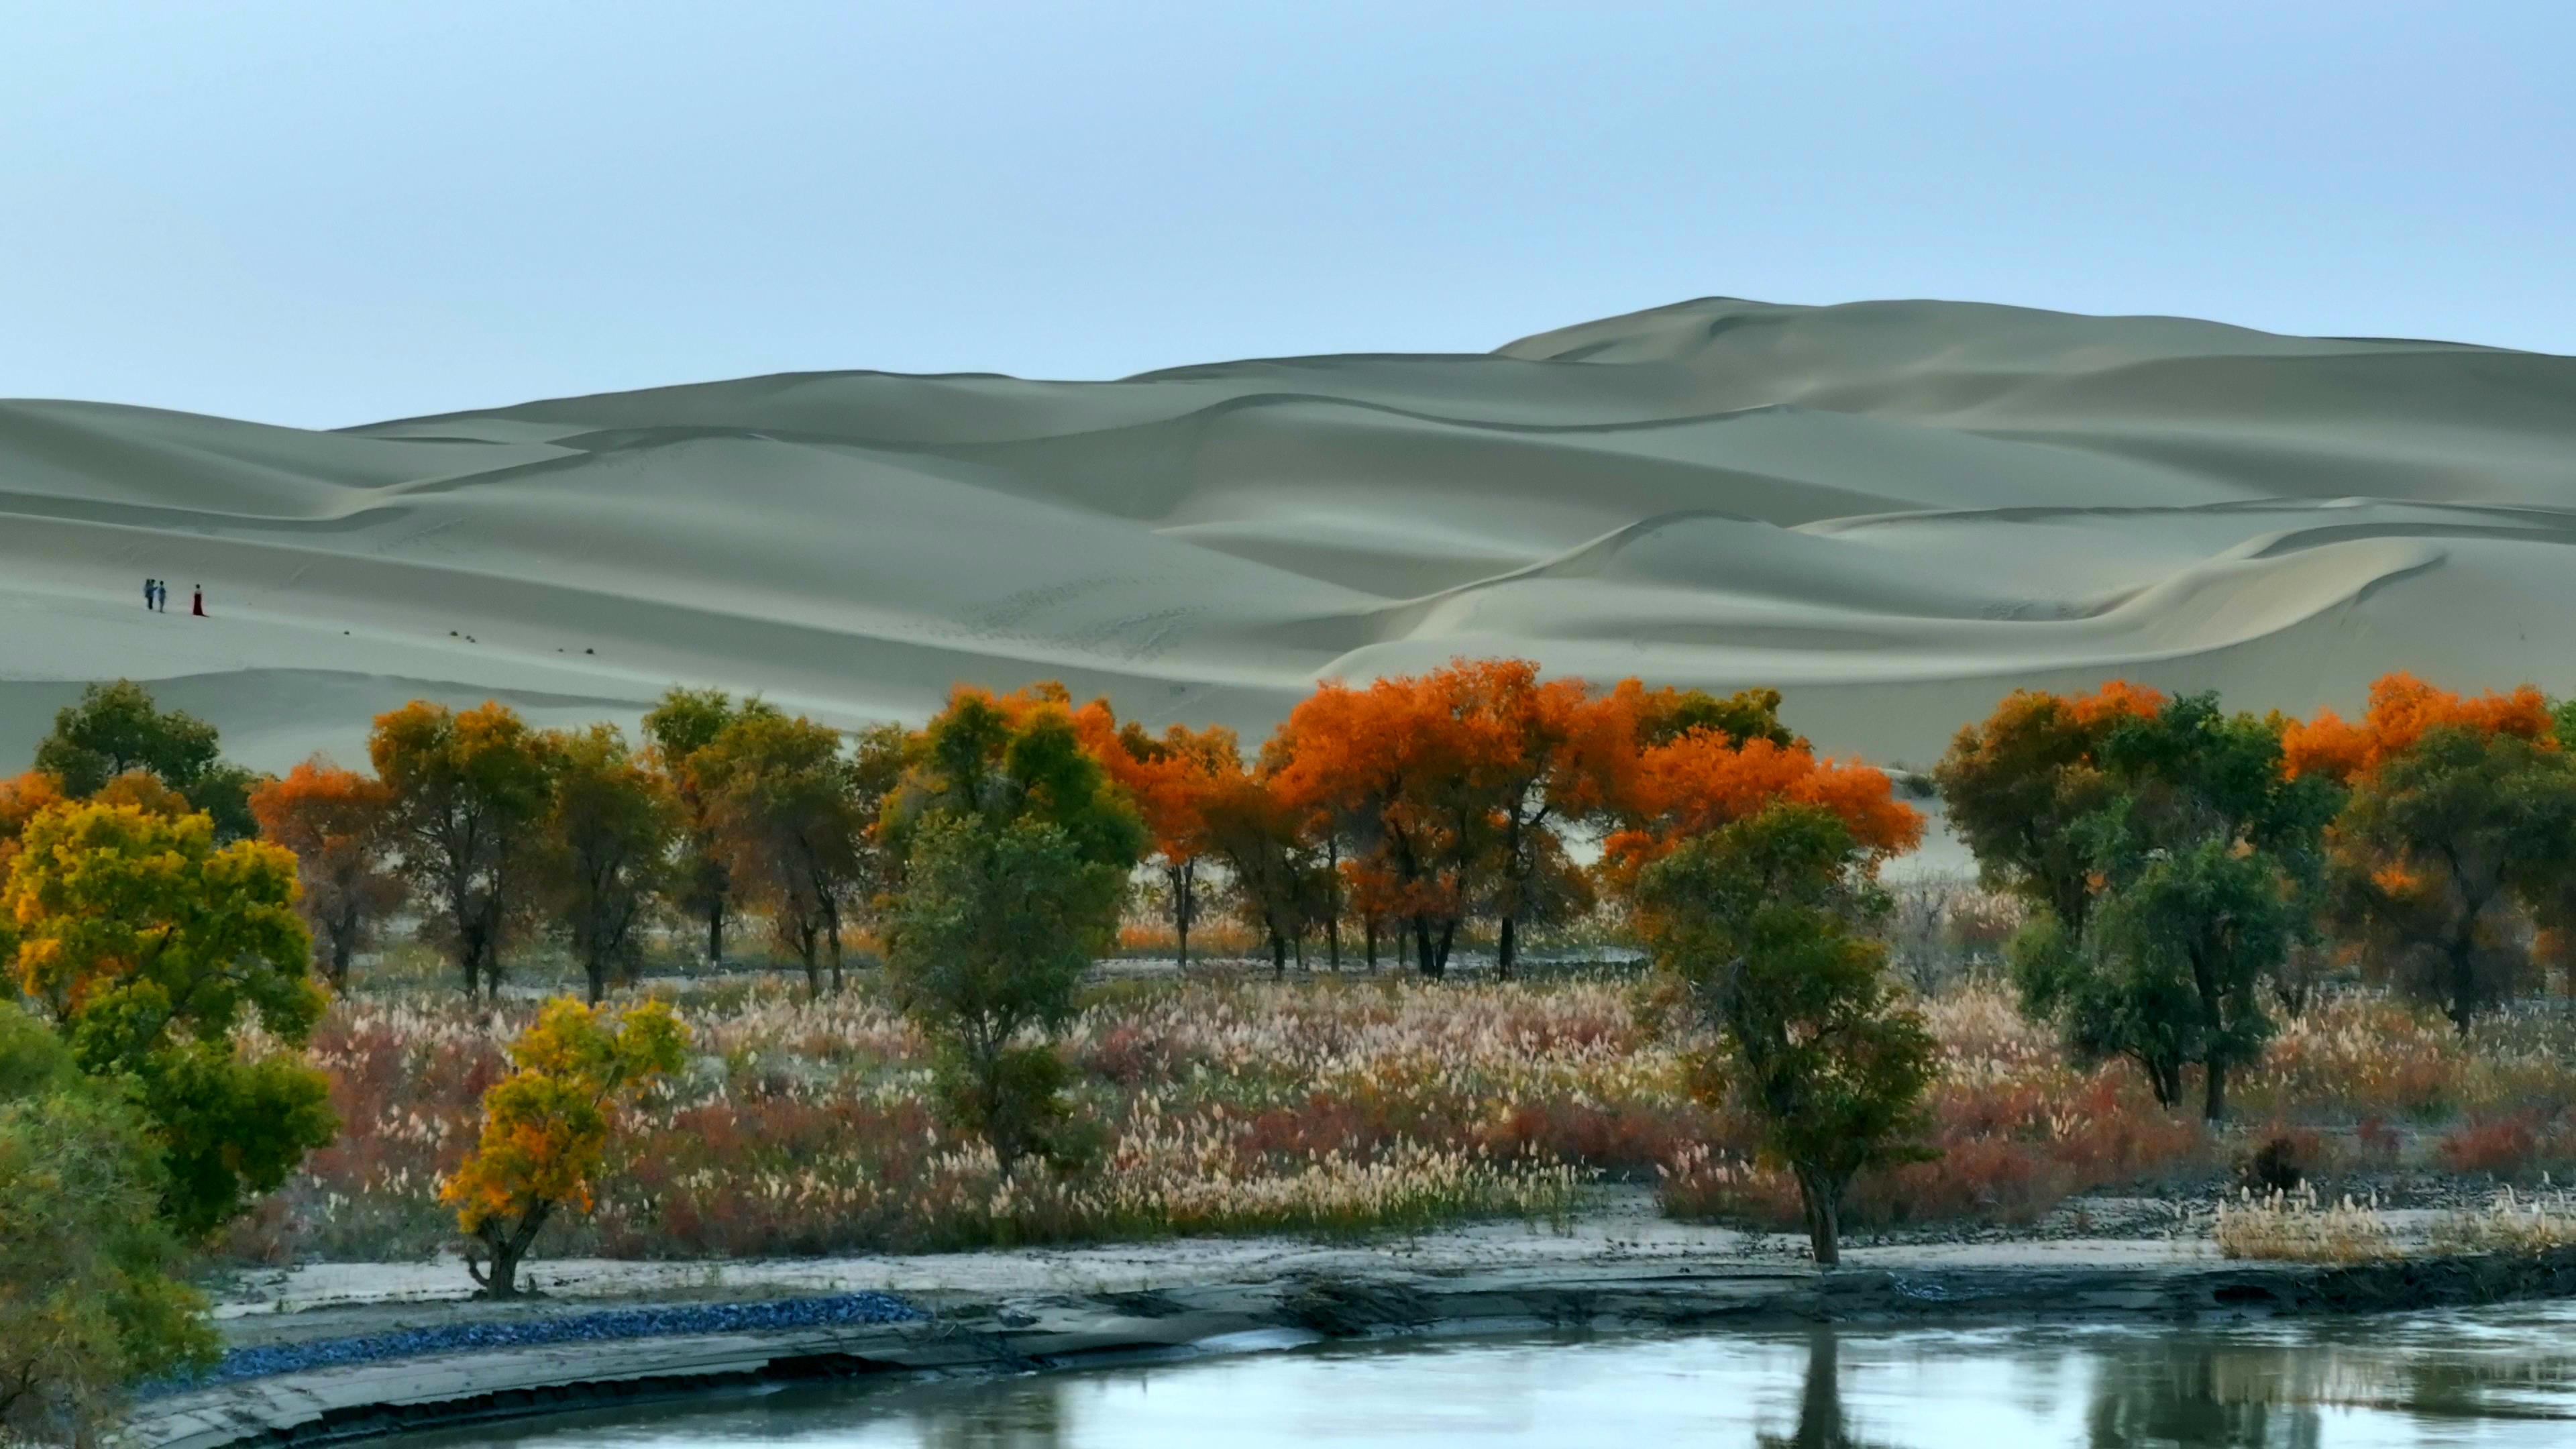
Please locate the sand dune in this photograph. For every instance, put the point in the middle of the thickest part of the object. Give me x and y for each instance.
(1894, 511)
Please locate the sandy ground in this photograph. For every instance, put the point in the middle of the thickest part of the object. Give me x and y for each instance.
(1618, 1229)
(1892, 510)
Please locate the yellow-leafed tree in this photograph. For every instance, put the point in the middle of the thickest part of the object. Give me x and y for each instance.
(546, 1126)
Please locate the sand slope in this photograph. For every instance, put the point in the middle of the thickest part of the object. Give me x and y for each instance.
(1893, 510)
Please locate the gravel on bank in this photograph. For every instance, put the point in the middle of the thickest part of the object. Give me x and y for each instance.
(836, 1310)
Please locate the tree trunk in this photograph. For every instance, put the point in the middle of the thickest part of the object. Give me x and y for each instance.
(715, 930)
(1824, 1220)
(597, 970)
(1368, 927)
(1333, 900)
(1429, 964)
(1503, 951)
(1448, 934)
(344, 944)
(832, 934)
(509, 1248)
(1278, 953)
(1184, 906)
(2213, 1102)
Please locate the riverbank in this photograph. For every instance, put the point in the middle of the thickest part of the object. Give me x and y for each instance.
(1614, 1268)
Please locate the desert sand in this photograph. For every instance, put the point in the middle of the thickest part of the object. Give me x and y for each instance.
(1894, 511)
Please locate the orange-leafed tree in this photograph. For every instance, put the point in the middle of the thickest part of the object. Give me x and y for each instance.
(2402, 709)
(339, 824)
(1705, 780)
(2020, 784)
(1551, 756)
(22, 798)
(1398, 768)
(1170, 777)
(546, 1126)
(2455, 839)
(1277, 885)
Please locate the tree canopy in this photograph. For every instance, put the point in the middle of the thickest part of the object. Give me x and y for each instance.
(1766, 921)
(470, 789)
(546, 1126)
(144, 945)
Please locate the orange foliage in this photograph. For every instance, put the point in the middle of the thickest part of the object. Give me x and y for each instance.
(1702, 782)
(2115, 698)
(2402, 709)
(338, 824)
(21, 799)
(144, 791)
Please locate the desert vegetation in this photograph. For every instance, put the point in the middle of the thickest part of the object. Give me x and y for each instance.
(1442, 947)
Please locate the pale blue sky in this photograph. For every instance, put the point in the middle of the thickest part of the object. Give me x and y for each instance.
(327, 213)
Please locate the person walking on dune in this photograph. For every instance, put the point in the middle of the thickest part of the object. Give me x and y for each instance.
(197, 601)
(147, 594)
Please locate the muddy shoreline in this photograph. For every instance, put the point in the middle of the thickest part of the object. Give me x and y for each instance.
(967, 1334)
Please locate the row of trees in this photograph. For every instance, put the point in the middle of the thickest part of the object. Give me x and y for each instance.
(1404, 810)
(2192, 872)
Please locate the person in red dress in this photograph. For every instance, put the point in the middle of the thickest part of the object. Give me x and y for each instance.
(197, 601)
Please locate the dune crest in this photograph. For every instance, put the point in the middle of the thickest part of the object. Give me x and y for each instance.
(1893, 510)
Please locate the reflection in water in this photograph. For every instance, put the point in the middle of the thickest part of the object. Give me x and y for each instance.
(2185, 1391)
(1032, 1417)
(1820, 1406)
(2499, 1378)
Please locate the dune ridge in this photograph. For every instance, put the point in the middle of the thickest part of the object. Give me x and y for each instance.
(1894, 511)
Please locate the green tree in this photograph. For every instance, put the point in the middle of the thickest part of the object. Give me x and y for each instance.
(116, 728)
(686, 722)
(470, 791)
(986, 948)
(1765, 922)
(2204, 864)
(2441, 851)
(1016, 853)
(2021, 783)
(88, 1298)
(1744, 716)
(793, 813)
(546, 1126)
(144, 945)
(607, 845)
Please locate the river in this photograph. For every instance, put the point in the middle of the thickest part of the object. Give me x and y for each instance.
(2486, 1377)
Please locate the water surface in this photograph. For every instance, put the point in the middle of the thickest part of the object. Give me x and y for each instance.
(2503, 1377)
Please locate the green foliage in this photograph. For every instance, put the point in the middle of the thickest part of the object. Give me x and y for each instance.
(470, 789)
(2180, 863)
(792, 814)
(116, 728)
(1744, 716)
(144, 946)
(1763, 921)
(607, 844)
(222, 794)
(2439, 851)
(88, 1301)
(2018, 786)
(676, 730)
(975, 758)
(997, 923)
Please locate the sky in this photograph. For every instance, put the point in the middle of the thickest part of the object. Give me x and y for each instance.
(322, 214)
